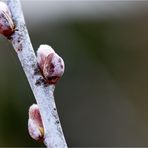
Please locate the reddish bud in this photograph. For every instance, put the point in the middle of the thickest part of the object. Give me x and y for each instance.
(42, 52)
(35, 125)
(51, 64)
(6, 23)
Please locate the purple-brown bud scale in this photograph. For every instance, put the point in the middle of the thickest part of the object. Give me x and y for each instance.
(51, 64)
(6, 23)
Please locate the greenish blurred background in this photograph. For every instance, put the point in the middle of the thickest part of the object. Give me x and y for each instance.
(102, 99)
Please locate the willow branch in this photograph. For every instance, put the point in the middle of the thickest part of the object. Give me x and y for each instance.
(54, 137)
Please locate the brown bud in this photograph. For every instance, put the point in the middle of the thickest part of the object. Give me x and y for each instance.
(35, 125)
(51, 64)
(6, 23)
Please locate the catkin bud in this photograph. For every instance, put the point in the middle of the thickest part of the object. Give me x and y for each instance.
(51, 64)
(6, 23)
(35, 125)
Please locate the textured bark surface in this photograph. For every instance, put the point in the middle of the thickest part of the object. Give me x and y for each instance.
(43, 92)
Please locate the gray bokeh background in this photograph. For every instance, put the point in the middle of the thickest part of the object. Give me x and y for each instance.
(102, 98)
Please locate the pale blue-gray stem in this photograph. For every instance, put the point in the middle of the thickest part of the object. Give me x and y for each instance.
(54, 137)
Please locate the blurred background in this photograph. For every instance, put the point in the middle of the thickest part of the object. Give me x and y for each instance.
(102, 99)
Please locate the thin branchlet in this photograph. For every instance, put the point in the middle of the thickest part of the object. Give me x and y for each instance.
(54, 137)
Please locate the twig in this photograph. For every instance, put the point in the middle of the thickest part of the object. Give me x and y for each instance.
(54, 137)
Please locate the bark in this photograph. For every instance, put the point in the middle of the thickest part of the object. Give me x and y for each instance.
(54, 137)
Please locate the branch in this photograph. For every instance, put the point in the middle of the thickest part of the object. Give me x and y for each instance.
(54, 137)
